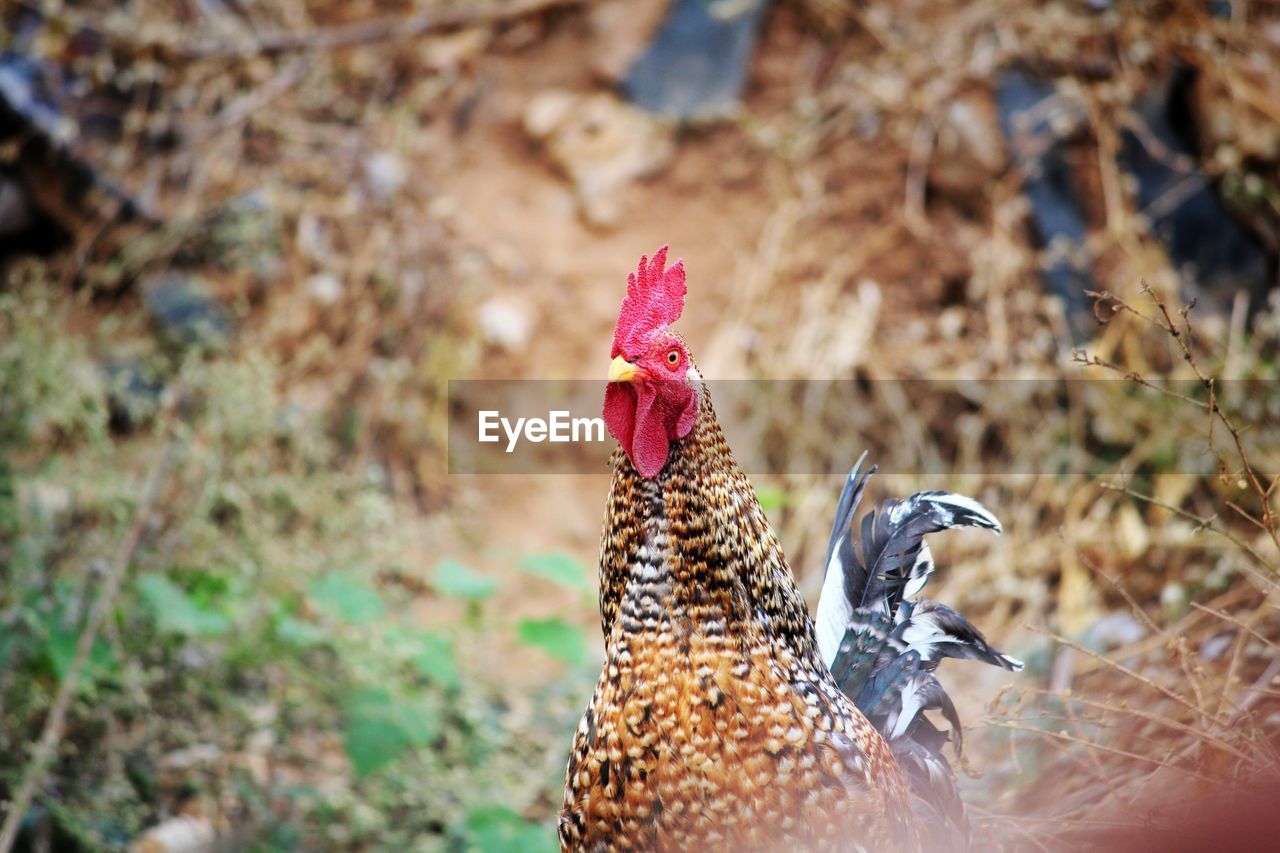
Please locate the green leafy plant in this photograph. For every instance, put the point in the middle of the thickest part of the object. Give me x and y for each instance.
(252, 627)
(458, 581)
(343, 596)
(496, 829)
(176, 611)
(564, 642)
(381, 726)
(559, 568)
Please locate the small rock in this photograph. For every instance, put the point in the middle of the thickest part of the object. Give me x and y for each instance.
(443, 208)
(191, 757)
(312, 238)
(180, 834)
(952, 322)
(601, 144)
(386, 174)
(504, 324)
(969, 151)
(325, 288)
(547, 111)
(1213, 647)
(1174, 601)
(256, 757)
(451, 51)
(412, 284)
(261, 741)
(185, 314)
(264, 713)
(44, 499)
(135, 390)
(1114, 631)
(198, 656)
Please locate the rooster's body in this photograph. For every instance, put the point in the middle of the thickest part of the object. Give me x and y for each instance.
(716, 723)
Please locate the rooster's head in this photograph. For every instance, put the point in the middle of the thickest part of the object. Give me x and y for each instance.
(653, 393)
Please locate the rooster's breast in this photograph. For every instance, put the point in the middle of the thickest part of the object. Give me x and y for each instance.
(718, 739)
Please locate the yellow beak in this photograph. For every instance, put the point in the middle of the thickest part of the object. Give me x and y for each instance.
(621, 370)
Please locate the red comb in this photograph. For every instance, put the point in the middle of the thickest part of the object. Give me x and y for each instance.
(655, 298)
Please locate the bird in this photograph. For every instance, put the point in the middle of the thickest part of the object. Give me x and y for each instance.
(726, 717)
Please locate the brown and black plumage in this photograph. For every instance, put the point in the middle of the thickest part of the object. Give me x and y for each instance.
(716, 722)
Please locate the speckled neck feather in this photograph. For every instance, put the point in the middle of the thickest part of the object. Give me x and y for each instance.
(715, 723)
(676, 546)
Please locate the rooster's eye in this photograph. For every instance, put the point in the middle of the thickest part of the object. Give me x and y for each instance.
(673, 358)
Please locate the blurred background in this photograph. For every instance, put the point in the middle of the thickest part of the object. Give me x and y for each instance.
(245, 245)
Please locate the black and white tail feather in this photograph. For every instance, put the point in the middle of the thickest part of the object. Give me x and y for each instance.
(882, 648)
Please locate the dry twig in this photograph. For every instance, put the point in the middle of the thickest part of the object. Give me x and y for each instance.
(1110, 750)
(1137, 676)
(1183, 335)
(1204, 523)
(46, 749)
(363, 32)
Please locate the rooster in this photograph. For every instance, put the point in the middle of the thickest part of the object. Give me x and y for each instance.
(724, 718)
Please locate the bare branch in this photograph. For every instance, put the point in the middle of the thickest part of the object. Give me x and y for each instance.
(1111, 750)
(363, 32)
(1137, 676)
(43, 754)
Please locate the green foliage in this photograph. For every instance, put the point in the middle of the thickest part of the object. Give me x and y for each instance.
(252, 624)
(176, 612)
(347, 598)
(380, 727)
(562, 641)
(60, 644)
(458, 581)
(496, 829)
(559, 568)
(298, 632)
(771, 498)
(431, 653)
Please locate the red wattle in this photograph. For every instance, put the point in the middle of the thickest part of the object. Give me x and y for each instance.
(620, 413)
(650, 443)
(639, 420)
